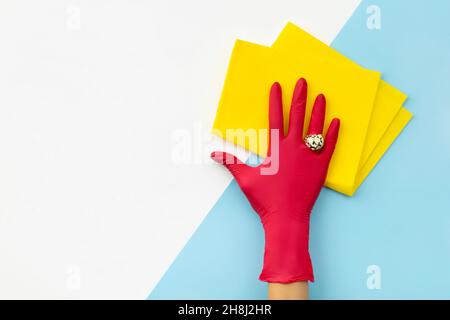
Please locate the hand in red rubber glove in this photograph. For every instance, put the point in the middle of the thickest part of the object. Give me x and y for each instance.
(285, 198)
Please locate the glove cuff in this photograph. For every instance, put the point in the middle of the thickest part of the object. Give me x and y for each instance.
(286, 256)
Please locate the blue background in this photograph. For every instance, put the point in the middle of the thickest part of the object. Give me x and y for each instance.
(399, 219)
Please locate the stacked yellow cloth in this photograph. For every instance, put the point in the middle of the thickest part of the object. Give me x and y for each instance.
(370, 109)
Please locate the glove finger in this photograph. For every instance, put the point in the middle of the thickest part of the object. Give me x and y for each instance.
(275, 114)
(331, 138)
(297, 112)
(317, 115)
(236, 167)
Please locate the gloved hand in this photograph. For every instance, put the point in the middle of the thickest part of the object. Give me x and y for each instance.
(284, 199)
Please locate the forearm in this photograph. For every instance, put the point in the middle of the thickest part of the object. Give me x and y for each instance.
(289, 291)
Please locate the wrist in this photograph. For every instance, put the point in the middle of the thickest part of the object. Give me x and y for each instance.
(288, 291)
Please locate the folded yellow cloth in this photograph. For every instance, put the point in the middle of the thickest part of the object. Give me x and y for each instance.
(350, 92)
(370, 109)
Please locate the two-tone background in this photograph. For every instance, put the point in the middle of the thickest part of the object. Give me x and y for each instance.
(100, 199)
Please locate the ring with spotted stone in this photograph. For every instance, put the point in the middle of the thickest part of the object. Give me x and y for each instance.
(314, 141)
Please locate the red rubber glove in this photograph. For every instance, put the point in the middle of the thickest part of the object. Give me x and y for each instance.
(284, 199)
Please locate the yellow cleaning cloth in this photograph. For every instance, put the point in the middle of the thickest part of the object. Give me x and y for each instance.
(388, 102)
(350, 92)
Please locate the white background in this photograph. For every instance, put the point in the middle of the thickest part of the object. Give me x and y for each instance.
(91, 92)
